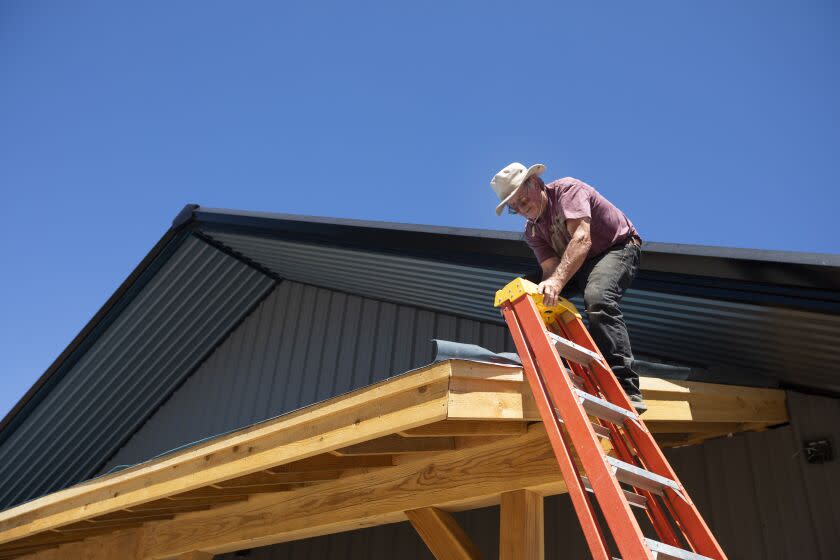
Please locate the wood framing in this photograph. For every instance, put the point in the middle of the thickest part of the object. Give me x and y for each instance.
(453, 435)
(521, 526)
(442, 534)
(195, 555)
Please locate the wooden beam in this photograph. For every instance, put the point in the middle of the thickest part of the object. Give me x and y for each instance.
(397, 404)
(167, 504)
(479, 399)
(195, 555)
(117, 544)
(521, 526)
(473, 397)
(332, 462)
(487, 372)
(453, 480)
(394, 444)
(267, 478)
(442, 534)
(467, 428)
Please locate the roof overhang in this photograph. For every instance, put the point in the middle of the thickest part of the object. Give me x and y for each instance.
(453, 435)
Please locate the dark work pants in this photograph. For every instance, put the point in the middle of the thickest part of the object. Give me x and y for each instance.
(602, 280)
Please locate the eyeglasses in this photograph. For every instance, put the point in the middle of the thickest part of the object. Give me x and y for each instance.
(520, 197)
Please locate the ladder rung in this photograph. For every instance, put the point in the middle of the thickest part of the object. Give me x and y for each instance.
(641, 478)
(635, 500)
(574, 352)
(662, 551)
(600, 431)
(604, 409)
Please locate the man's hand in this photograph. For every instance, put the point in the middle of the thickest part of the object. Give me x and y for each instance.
(550, 289)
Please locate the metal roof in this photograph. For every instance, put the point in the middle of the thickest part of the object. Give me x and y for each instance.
(156, 341)
(794, 346)
(772, 312)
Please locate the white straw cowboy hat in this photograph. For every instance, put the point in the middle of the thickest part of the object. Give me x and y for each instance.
(507, 181)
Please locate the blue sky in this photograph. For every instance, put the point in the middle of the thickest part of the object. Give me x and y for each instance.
(706, 122)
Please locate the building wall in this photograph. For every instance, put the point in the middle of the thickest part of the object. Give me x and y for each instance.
(305, 344)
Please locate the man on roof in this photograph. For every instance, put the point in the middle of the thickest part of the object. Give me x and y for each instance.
(584, 244)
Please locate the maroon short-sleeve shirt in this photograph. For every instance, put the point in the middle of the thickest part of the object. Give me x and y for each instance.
(570, 198)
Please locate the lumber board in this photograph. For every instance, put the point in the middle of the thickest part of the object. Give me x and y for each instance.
(172, 504)
(467, 428)
(195, 555)
(397, 404)
(479, 399)
(443, 536)
(121, 544)
(521, 526)
(267, 478)
(455, 477)
(333, 462)
(395, 444)
(489, 372)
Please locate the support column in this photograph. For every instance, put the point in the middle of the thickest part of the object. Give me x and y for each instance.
(521, 527)
(442, 534)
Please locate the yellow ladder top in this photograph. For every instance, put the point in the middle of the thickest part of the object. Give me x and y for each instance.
(519, 287)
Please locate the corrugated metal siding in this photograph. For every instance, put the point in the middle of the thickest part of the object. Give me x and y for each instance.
(300, 345)
(196, 297)
(761, 499)
(759, 495)
(794, 346)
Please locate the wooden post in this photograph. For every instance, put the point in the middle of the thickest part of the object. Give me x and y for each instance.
(521, 526)
(442, 534)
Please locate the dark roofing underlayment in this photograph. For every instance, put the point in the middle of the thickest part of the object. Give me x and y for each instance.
(762, 312)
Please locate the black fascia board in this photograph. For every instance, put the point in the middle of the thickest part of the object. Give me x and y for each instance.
(504, 250)
(121, 297)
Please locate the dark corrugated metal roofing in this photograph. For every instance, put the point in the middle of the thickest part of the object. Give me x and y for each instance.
(795, 346)
(146, 352)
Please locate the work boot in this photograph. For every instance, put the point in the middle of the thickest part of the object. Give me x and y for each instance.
(638, 403)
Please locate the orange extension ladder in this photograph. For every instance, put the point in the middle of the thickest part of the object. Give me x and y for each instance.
(573, 386)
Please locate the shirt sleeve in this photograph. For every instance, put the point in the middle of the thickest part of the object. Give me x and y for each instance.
(542, 249)
(577, 201)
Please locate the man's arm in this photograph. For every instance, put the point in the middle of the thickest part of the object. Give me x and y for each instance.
(557, 272)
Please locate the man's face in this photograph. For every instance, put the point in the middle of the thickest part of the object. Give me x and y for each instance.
(528, 200)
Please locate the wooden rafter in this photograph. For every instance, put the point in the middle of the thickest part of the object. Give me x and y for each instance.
(442, 534)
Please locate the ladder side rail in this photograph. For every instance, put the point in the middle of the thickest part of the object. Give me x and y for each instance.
(691, 522)
(616, 510)
(580, 500)
(683, 509)
(654, 509)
